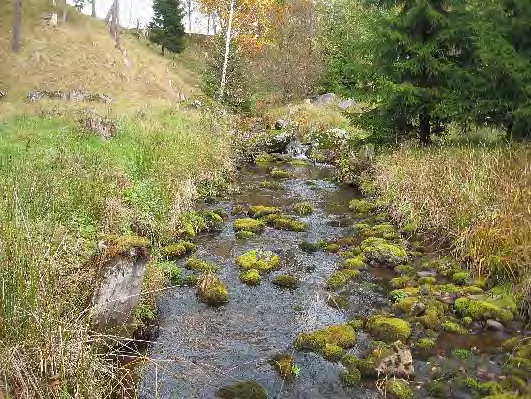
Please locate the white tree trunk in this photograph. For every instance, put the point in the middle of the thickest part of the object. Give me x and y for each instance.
(227, 52)
(189, 17)
(93, 13)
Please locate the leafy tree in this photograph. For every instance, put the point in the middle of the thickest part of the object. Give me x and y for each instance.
(166, 28)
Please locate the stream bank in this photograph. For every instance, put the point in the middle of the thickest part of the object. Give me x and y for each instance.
(454, 326)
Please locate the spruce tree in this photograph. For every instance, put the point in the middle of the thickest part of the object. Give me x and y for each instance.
(421, 60)
(166, 28)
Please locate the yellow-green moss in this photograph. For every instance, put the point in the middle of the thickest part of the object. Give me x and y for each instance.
(178, 249)
(272, 185)
(250, 277)
(263, 261)
(380, 251)
(361, 206)
(460, 278)
(284, 365)
(337, 301)
(388, 329)
(278, 173)
(398, 389)
(310, 247)
(285, 281)
(332, 248)
(427, 280)
(249, 224)
(243, 390)
(402, 282)
(340, 278)
(281, 222)
(343, 336)
(259, 211)
(454, 328)
(245, 235)
(425, 343)
(482, 310)
(433, 315)
(356, 324)
(201, 266)
(356, 262)
(123, 245)
(264, 159)
(333, 353)
(351, 378)
(212, 290)
(303, 208)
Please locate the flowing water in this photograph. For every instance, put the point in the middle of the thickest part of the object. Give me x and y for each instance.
(201, 349)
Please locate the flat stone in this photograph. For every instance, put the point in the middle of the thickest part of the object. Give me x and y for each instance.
(494, 325)
(427, 273)
(449, 299)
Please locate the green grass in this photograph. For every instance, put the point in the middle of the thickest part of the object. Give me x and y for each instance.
(63, 189)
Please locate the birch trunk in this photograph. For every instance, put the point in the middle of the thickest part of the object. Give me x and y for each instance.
(227, 52)
(93, 8)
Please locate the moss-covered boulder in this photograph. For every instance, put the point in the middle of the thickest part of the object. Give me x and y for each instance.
(201, 266)
(259, 211)
(332, 247)
(310, 247)
(278, 173)
(303, 208)
(243, 390)
(355, 263)
(178, 249)
(282, 222)
(272, 185)
(388, 329)
(425, 343)
(403, 282)
(249, 224)
(333, 353)
(361, 206)
(460, 278)
(284, 365)
(262, 261)
(338, 301)
(286, 281)
(211, 290)
(250, 277)
(341, 278)
(483, 308)
(398, 389)
(380, 251)
(351, 378)
(342, 336)
(453, 328)
(245, 235)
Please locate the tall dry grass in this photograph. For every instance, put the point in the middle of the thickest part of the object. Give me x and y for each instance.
(478, 198)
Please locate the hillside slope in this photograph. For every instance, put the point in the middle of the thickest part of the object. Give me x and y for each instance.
(81, 55)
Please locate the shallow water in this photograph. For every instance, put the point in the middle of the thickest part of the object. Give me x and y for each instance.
(201, 349)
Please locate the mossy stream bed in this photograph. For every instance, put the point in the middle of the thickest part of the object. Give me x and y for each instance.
(256, 336)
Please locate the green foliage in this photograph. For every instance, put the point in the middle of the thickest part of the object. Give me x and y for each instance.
(166, 28)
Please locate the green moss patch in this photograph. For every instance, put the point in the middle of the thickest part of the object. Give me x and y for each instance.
(250, 277)
(272, 185)
(388, 329)
(284, 365)
(303, 208)
(249, 224)
(482, 309)
(426, 343)
(259, 211)
(351, 378)
(398, 389)
(282, 222)
(361, 206)
(243, 390)
(341, 278)
(201, 266)
(342, 336)
(278, 173)
(286, 281)
(355, 263)
(337, 301)
(245, 235)
(454, 328)
(382, 252)
(211, 290)
(263, 261)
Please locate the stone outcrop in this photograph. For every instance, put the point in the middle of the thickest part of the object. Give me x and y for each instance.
(94, 123)
(74, 96)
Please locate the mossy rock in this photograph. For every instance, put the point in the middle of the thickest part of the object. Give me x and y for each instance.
(460, 278)
(388, 329)
(340, 335)
(341, 278)
(354, 263)
(445, 266)
(197, 222)
(212, 290)
(265, 159)
(282, 222)
(333, 353)
(286, 281)
(482, 310)
(310, 247)
(303, 208)
(356, 324)
(403, 282)
(405, 269)
(126, 245)
(243, 390)
(249, 224)
(332, 248)
(259, 211)
(337, 301)
(361, 206)
(178, 249)
(384, 230)
(284, 365)
(433, 315)
(245, 235)
(382, 252)
(250, 277)
(278, 173)
(453, 328)
(426, 343)
(200, 266)
(272, 185)
(263, 261)
(299, 162)
(351, 378)
(398, 389)
(427, 280)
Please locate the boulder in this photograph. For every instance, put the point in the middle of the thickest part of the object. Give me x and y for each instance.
(281, 124)
(494, 325)
(398, 363)
(325, 99)
(97, 124)
(346, 104)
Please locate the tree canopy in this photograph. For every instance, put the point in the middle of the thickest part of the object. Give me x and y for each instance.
(167, 28)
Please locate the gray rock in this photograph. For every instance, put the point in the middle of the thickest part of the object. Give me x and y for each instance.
(276, 143)
(427, 273)
(325, 99)
(281, 124)
(74, 95)
(399, 364)
(494, 325)
(97, 124)
(346, 104)
(119, 284)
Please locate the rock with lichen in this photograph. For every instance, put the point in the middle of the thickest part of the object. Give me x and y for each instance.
(212, 291)
(388, 329)
(341, 278)
(286, 281)
(249, 224)
(250, 277)
(342, 336)
(398, 389)
(380, 251)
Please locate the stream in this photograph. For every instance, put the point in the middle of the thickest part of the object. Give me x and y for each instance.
(201, 349)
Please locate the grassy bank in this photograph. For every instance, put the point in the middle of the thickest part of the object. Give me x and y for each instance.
(476, 198)
(63, 190)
